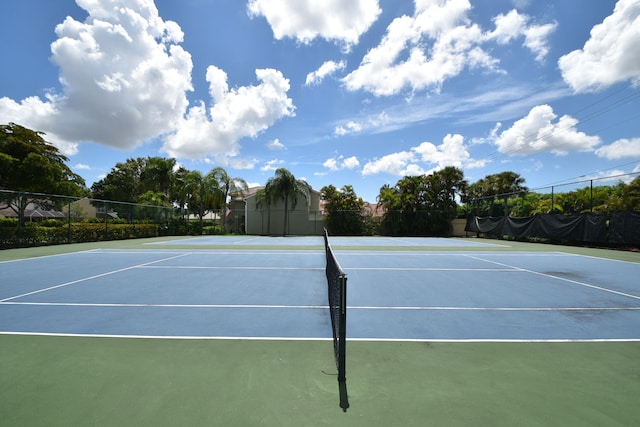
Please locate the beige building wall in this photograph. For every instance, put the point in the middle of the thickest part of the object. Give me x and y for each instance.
(247, 217)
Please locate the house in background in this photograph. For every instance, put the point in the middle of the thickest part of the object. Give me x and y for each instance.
(87, 208)
(33, 213)
(74, 209)
(249, 214)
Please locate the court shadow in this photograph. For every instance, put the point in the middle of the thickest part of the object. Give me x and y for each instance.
(344, 397)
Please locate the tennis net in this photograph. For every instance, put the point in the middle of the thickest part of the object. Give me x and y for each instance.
(337, 287)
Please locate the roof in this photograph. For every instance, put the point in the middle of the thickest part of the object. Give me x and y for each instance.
(33, 214)
(251, 192)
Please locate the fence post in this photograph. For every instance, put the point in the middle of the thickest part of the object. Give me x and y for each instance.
(69, 238)
(20, 221)
(106, 222)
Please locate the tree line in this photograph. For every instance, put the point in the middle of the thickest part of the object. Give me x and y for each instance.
(159, 181)
(505, 194)
(415, 205)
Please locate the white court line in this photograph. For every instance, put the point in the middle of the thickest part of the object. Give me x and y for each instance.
(168, 337)
(171, 267)
(602, 259)
(140, 251)
(347, 270)
(235, 252)
(404, 254)
(89, 278)
(195, 267)
(588, 285)
(124, 305)
(489, 340)
(317, 307)
(425, 308)
(48, 256)
(242, 242)
(372, 339)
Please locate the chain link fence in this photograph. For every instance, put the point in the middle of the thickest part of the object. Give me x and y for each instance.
(36, 219)
(585, 196)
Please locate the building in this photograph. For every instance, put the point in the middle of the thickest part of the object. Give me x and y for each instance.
(33, 213)
(250, 214)
(87, 208)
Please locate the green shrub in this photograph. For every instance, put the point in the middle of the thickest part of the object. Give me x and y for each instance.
(38, 234)
(52, 223)
(8, 222)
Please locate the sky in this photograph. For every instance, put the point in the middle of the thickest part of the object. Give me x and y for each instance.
(340, 92)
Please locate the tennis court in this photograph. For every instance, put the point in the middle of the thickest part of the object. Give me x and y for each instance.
(235, 330)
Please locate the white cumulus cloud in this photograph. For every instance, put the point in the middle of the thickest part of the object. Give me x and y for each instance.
(437, 43)
(237, 113)
(514, 25)
(611, 54)
(325, 70)
(339, 163)
(341, 21)
(399, 163)
(275, 145)
(272, 165)
(124, 78)
(425, 158)
(540, 132)
(347, 128)
(620, 149)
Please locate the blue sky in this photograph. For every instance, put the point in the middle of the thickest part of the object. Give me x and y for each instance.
(357, 92)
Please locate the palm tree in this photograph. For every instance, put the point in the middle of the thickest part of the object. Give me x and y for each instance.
(388, 198)
(158, 174)
(443, 187)
(389, 202)
(202, 193)
(227, 185)
(177, 192)
(286, 187)
(507, 184)
(265, 198)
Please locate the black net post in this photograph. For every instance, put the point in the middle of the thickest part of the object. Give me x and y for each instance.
(342, 333)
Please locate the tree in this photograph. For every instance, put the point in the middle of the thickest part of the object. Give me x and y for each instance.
(123, 183)
(523, 206)
(629, 199)
(128, 180)
(177, 191)
(502, 186)
(157, 175)
(264, 198)
(202, 193)
(423, 204)
(28, 163)
(443, 189)
(619, 197)
(344, 210)
(228, 186)
(286, 187)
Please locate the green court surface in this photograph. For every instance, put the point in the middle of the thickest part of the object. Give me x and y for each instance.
(65, 381)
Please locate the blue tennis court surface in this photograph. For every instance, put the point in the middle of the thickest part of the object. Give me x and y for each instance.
(281, 294)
